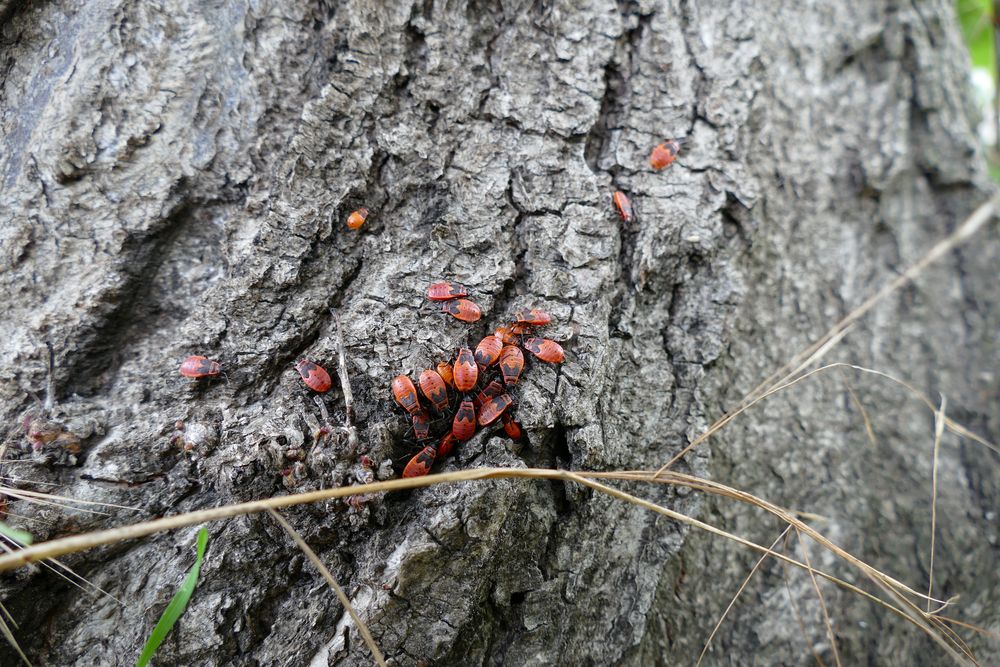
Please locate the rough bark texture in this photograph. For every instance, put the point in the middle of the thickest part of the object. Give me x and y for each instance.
(175, 179)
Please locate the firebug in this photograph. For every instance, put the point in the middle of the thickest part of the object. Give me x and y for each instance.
(534, 317)
(506, 335)
(493, 408)
(664, 154)
(200, 367)
(511, 427)
(466, 371)
(492, 390)
(511, 364)
(420, 464)
(357, 218)
(405, 394)
(446, 290)
(421, 425)
(623, 205)
(444, 370)
(446, 445)
(545, 349)
(314, 375)
(433, 387)
(463, 426)
(462, 309)
(488, 351)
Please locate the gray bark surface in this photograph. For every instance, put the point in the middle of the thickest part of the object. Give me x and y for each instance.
(175, 180)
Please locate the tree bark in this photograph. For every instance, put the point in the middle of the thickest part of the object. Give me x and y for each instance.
(176, 177)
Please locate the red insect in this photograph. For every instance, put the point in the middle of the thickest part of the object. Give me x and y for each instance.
(444, 370)
(506, 335)
(200, 367)
(420, 464)
(511, 427)
(357, 218)
(421, 425)
(623, 205)
(492, 390)
(493, 408)
(314, 375)
(534, 317)
(462, 309)
(463, 426)
(488, 351)
(466, 371)
(511, 364)
(445, 290)
(664, 154)
(447, 444)
(405, 394)
(433, 387)
(545, 349)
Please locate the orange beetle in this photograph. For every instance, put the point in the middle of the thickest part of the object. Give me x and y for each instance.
(405, 394)
(535, 317)
(421, 425)
(433, 387)
(493, 408)
(200, 367)
(420, 464)
(664, 154)
(492, 390)
(314, 375)
(545, 349)
(488, 351)
(446, 290)
(357, 218)
(623, 205)
(447, 444)
(462, 309)
(511, 427)
(511, 364)
(463, 426)
(506, 335)
(466, 371)
(444, 370)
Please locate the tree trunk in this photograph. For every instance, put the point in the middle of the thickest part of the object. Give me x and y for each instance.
(176, 177)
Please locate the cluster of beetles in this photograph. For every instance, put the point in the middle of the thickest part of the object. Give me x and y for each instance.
(473, 389)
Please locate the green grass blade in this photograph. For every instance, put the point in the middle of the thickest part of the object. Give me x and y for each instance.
(976, 18)
(22, 537)
(177, 605)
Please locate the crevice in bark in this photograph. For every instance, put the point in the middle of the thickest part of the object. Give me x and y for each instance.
(689, 32)
(618, 72)
(597, 142)
(10, 9)
(101, 350)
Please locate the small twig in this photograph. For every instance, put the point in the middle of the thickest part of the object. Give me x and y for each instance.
(321, 404)
(939, 420)
(795, 610)
(869, 429)
(739, 592)
(822, 603)
(50, 384)
(345, 384)
(341, 595)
